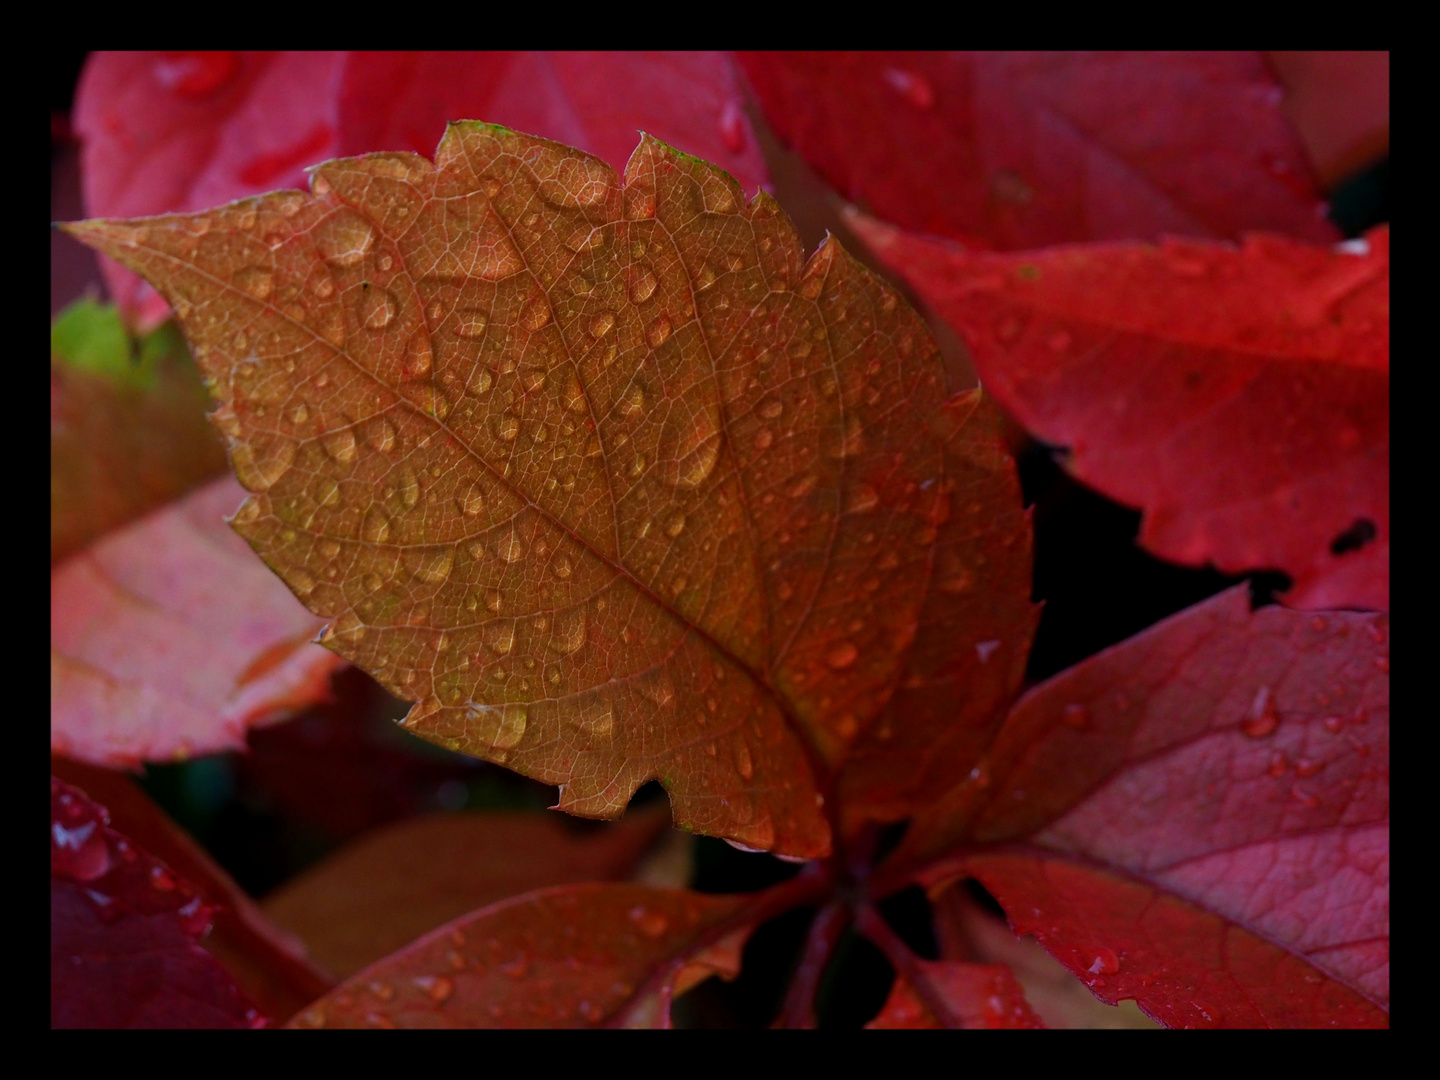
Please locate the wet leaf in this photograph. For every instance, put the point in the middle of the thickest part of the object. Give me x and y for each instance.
(394, 885)
(1048, 148)
(165, 132)
(127, 424)
(122, 933)
(574, 956)
(983, 996)
(1240, 396)
(168, 639)
(610, 482)
(1198, 818)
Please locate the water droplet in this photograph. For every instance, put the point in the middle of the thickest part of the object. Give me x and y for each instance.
(743, 761)
(257, 281)
(375, 529)
(430, 565)
(771, 408)
(260, 469)
(651, 923)
(328, 493)
(381, 435)
(841, 656)
(676, 525)
(913, 87)
(642, 284)
(986, 649)
(500, 727)
(1075, 716)
(376, 308)
(407, 486)
(437, 987)
(1105, 962)
(570, 630)
(1059, 341)
(517, 967)
(601, 324)
(506, 427)
(1333, 724)
(1279, 765)
(1304, 798)
(535, 315)
(344, 238)
(510, 547)
(1305, 767)
(340, 445)
(802, 487)
(300, 413)
(1007, 330)
(472, 502)
(732, 127)
(763, 438)
(1262, 719)
(382, 990)
(470, 323)
(659, 332)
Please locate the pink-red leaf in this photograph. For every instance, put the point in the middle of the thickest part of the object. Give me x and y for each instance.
(394, 885)
(168, 638)
(1019, 150)
(982, 996)
(573, 956)
(169, 132)
(122, 933)
(1198, 818)
(1240, 396)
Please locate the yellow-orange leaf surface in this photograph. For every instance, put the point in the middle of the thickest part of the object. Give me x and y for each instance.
(608, 480)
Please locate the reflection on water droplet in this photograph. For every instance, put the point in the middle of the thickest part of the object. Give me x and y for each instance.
(300, 413)
(841, 656)
(1105, 962)
(430, 565)
(510, 547)
(470, 323)
(506, 427)
(472, 501)
(257, 281)
(499, 727)
(913, 87)
(986, 649)
(381, 435)
(642, 284)
(651, 923)
(743, 762)
(375, 529)
(344, 238)
(407, 486)
(260, 468)
(437, 987)
(659, 332)
(376, 308)
(1262, 719)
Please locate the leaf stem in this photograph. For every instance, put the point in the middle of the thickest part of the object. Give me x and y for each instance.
(906, 964)
(825, 932)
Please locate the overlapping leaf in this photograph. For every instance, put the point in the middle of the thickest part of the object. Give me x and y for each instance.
(573, 956)
(167, 639)
(1198, 818)
(167, 132)
(1013, 150)
(610, 482)
(984, 996)
(1241, 397)
(396, 884)
(122, 933)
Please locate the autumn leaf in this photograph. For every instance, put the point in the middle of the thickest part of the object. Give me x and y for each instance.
(167, 639)
(127, 424)
(397, 884)
(1048, 148)
(1197, 818)
(514, 964)
(1339, 102)
(983, 996)
(1240, 396)
(166, 132)
(268, 965)
(122, 933)
(610, 482)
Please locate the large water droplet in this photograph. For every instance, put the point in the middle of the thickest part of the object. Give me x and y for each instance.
(260, 467)
(658, 332)
(510, 547)
(771, 408)
(986, 649)
(743, 761)
(569, 631)
(257, 281)
(1105, 961)
(344, 238)
(499, 727)
(376, 307)
(506, 427)
(642, 284)
(430, 565)
(841, 656)
(381, 435)
(470, 323)
(437, 988)
(340, 445)
(1262, 719)
(375, 528)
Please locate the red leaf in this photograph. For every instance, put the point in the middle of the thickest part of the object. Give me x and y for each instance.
(573, 956)
(169, 132)
(1198, 818)
(1339, 102)
(1240, 396)
(393, 885)
(1047, 148)
(169, 638)
(122, 933)
(978, 995)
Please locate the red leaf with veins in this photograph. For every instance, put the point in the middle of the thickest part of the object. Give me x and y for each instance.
(170, 132)
(122, 933)
(169, 638)
(1198, 818)
(572, 956)
(1048, 148)
(1240, 396)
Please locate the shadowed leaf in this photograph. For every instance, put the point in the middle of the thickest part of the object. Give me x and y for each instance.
(1048, 148)
(1241, 397)
(984, 996)
(390, 887)
(573, 956)
(610, 482)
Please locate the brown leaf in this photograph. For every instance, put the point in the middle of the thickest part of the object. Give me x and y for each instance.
(610, 482)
